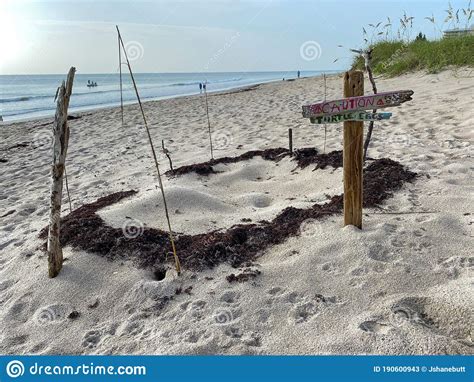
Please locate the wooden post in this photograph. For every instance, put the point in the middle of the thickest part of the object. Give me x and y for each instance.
(290, 139)
(353, 154)
(167, 153)
(60, 145)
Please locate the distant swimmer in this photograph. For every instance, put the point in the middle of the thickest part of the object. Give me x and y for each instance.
(200, 87)
(299, 74)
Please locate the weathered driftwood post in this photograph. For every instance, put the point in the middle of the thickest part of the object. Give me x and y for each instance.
(61, 140)
(353, 154)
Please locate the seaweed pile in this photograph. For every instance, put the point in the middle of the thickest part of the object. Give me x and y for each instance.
(84, 229)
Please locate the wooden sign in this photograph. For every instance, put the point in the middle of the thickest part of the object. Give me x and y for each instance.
(353, 116)
(352, 111)
(369, 102)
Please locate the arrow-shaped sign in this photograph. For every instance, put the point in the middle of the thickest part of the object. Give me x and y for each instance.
(369, 102)
(351, 116)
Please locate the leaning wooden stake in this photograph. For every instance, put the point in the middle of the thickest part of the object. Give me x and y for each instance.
(167, 153)
(352, 154)
(176, 259)
(61, 140)
(368, 68)
(208, 124)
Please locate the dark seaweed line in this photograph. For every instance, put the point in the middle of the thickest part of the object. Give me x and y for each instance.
(84, 229)
(303, 157)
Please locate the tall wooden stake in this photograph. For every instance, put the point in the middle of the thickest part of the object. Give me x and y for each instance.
(353, 154)
(176, 259)
(60, 145)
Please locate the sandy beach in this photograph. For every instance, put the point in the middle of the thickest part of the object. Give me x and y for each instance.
(402, 285)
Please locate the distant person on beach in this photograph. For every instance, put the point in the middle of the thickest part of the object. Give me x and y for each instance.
(200, 87)
(204, 86)
(299, 73)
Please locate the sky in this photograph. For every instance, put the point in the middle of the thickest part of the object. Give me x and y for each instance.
(47, 37)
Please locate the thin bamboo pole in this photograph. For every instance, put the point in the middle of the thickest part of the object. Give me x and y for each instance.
(120, 74)
(176, 259)
(325, 126)
(208, 123)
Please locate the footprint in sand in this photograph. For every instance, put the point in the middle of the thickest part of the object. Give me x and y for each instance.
(379, 253)
(302, 312)
(92, 339)
(454, 266)
(374, 327)
(230, 297)
(331, 268)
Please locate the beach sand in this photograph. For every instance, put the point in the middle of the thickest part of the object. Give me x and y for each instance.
(402, 285)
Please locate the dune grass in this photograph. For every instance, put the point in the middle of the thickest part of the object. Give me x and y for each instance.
(392, 58)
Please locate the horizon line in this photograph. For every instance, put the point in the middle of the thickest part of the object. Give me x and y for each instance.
(217, 72)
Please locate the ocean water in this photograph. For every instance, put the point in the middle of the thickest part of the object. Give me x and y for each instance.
(30, 96)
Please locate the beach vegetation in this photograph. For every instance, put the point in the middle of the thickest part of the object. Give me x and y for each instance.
(393, 58)
(394, 52)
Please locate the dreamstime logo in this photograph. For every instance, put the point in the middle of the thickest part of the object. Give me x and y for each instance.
(310, 228)
(43, 140)
(223, 316)
(15, 369)
(401, 315)
(134, 50)
(310, 51)
(397, 56)
(45, 316)
(222, 50)
(132, 228)
(221, 140)
(402, 140)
